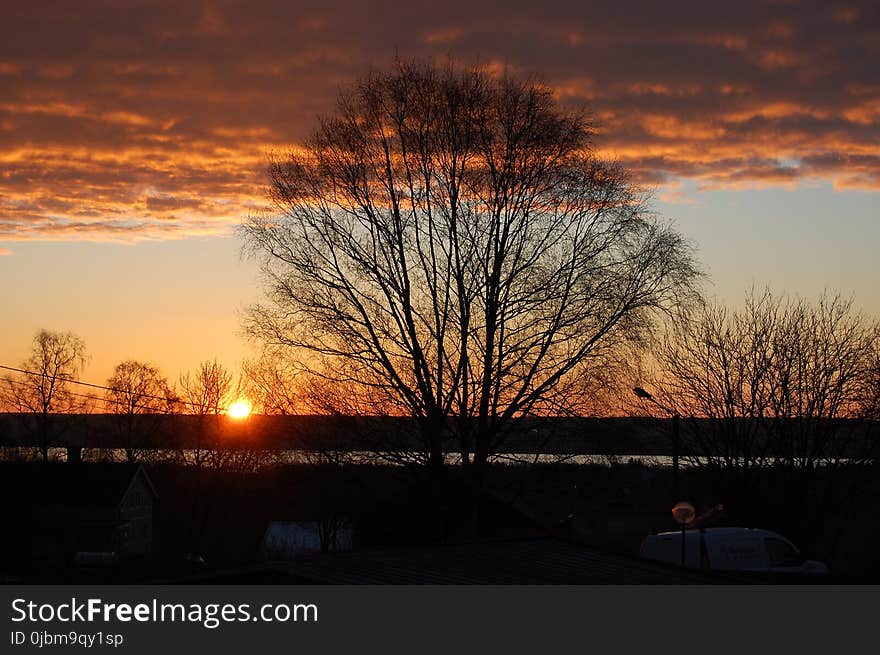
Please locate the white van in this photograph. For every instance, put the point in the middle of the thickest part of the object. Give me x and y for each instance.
(730, 549)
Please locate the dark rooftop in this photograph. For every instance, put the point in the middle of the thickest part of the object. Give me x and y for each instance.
(71, 485)
(534, 561)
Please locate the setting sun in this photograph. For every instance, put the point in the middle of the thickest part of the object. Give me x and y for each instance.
(239, 409)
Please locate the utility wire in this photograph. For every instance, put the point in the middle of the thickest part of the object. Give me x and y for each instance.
(102, 399)
(105, 388)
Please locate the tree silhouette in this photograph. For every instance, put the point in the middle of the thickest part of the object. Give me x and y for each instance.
(207, 394)
(55, 359)
(870, 401)
(775, 380)
(272, 384)
(448, 240)
(139, 396)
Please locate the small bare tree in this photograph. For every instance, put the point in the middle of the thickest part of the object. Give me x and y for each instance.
(139, 396)
(366, 425)
(273, 384)
(772, 383)
(56, 358)
(870, 400)
(448, 240)
(207, 394)
(823, 366)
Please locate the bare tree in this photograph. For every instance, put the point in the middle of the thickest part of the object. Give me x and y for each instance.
(365, 425)
(823, 365)
(55, 359)
(139, 396)
(870, 400)
(273, 384)
(771, 383)
(448, 239)
(207, 394)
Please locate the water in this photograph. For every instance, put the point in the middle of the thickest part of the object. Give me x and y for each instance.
(254, 460)
(275, 457)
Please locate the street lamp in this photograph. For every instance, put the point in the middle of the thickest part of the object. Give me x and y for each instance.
(644, 395)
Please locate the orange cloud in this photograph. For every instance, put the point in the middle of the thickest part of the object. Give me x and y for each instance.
(779, 59)
(846, 14)
(671, 127)
(154, 121)
(445, 35)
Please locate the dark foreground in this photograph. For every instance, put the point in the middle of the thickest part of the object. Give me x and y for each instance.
(529, 524)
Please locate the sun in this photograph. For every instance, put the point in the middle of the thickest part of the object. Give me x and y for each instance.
(239, 409)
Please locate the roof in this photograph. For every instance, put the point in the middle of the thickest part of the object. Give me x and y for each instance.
(722, 532)
(35, 484)
(534, 561)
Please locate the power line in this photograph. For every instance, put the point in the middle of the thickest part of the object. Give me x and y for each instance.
(105, 388)
(102, 399)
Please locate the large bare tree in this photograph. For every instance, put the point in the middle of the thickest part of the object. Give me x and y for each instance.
(56, 358)
(448, 238)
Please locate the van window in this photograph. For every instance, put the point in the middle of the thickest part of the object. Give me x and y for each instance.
(782, 553)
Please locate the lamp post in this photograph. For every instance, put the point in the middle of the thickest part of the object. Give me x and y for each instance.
(676, 419)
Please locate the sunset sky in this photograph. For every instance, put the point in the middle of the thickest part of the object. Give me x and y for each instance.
(134, 135)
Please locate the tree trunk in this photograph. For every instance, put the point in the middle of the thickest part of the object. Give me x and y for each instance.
(44, 437)
(481, 454)
(432, 431)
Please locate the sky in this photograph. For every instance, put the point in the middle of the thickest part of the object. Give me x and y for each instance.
(134, 138)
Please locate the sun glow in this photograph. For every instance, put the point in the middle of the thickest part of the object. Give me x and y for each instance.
(239, 409)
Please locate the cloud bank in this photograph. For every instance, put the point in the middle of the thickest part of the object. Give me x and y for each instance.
(153, 119)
